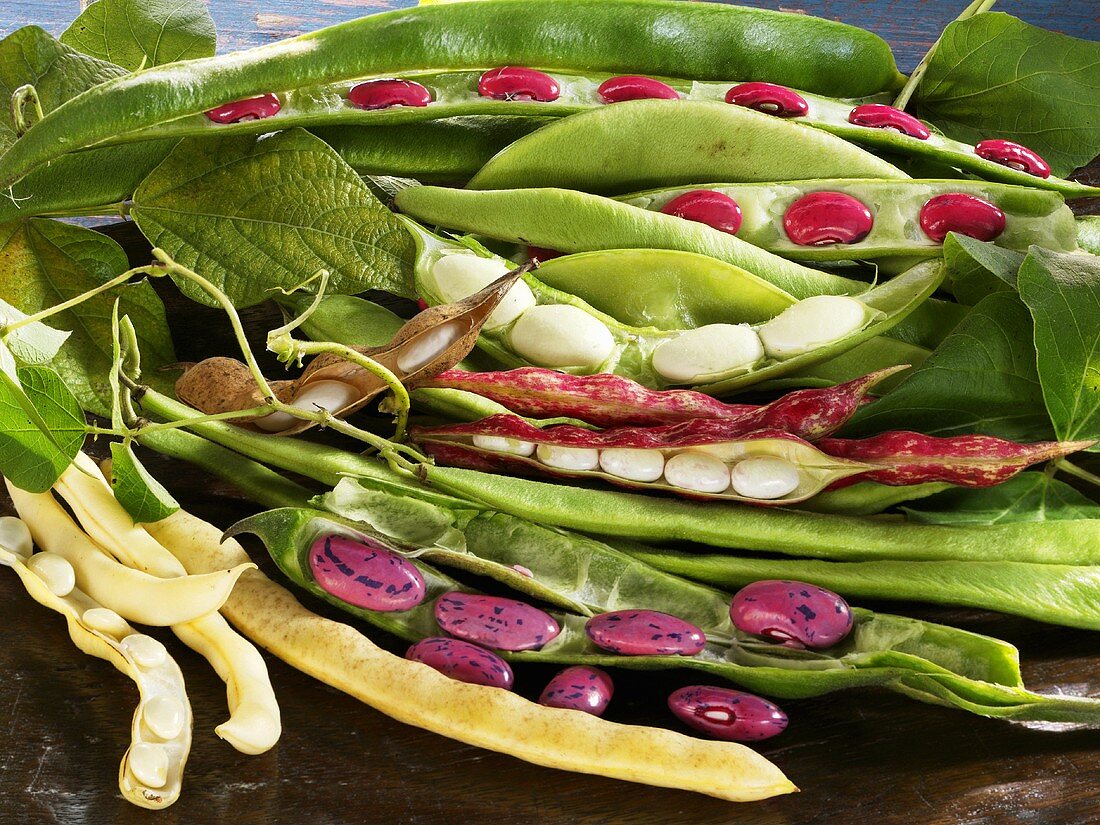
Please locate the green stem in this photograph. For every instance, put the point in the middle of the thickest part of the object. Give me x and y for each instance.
(1072, 469)
(7, 329)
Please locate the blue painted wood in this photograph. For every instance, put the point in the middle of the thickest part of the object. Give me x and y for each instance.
(910, 26)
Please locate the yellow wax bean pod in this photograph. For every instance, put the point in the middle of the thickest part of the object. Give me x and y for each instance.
(487, 717)
(254, 725)
(136, 596)
(151, 772)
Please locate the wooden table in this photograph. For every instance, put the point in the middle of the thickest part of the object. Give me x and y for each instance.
(869, 756)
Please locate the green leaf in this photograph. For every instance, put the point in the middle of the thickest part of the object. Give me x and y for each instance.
(255, 215)
(34, 343)
(1026, 497)
(1088, 233)
(43, 263)
(144, 498)
(996, 76)
(1062, 290)
(137, 34)
(976, 269)
(981, 379)
(41, 428)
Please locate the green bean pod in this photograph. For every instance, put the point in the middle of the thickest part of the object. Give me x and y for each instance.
(697, 41)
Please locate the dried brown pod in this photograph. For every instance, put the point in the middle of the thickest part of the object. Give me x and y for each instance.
(433, 341)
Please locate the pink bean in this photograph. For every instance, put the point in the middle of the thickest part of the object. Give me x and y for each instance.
(707, 207)
(382, 94)
(727, 714)
(881, 116)
(821, 218)
(495, 622)
(462, 661)
(582, 688)
(768, 98)
(635, 87)
(518, 83)
(1014, 156)
(965, 214)
(253, 108)
(366, 574)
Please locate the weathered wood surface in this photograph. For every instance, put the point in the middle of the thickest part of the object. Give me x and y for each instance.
(869, 756)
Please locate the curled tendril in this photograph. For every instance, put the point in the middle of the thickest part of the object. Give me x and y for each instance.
(25, 94)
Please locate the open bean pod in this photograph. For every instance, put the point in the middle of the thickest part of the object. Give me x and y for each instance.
(696, 459)
(151, 773)
(434, 340)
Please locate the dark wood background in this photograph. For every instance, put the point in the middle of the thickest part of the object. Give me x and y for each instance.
(870, 755)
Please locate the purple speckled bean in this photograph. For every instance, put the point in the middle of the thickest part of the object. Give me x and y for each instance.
(493, 621)
(462, 661)
(583, 688)
(727, 714)
(644, 633)
(365, 574)
(795, 614)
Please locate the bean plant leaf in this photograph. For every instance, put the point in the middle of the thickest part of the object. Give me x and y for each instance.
(137, 34)
(41, 427)
(981, 379)
(253, 216)
(1088, 233)
(35, 343)
(996, 76)
(143, 497)
(976, 269)
(43, 263)
(1026, 497)
(1062, 290)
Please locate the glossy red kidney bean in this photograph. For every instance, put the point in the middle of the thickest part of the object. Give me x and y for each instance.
(365, 574)
(706, 206)
(538, 253)
(796, 614)
(421, 304)
(768, 98)
(253, 108)
(827, 217)
(462, 661)
(727, 714)
(635, 87)
(518, 83)
(644, 633)
(965, 214)
(492, 621)
(584, 688)
(387, 92)
(881, 116)
(1014, 156)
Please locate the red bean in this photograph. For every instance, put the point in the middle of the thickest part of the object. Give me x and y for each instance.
(365, 574)
(382, 94)
(492, 621)
(768, 98)
(727, 714)
(965, 214)
(1014, 156)
(706, 206)
(518, 83)
(881, 116)
(253, 108)
(795, 614)
(826, 218)
(635, 87)
(583, 688)
(645, 633)
(462, 661)
(538, 253)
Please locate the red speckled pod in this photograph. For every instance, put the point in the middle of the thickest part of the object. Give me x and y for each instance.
(387, 92)
(821, 218)
(635, 87)
(768, 98)
(965, 214)
(582, 688)
(791, 613)
(518, 83)
(363, 573)
(707, 207)
(495, 622)
(1014, 156)
(966, 460)
(462, 661)
(727, 714)
(645, 633)
(253, 108)
(881, 116)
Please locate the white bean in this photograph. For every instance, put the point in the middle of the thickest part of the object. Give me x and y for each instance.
(460, 275)
(145, 650)
(105, 621)
(15, 536)
(499, 444)
(812, 323)
(633, 464)
(56, 573)
(697, 471)
(568, 458)
(561, 335)
(428, 346)
(328, 395)
(149, 764)
(707, 352)
(164, 716)
(764, 477)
